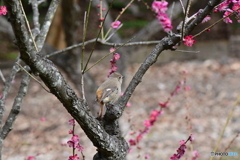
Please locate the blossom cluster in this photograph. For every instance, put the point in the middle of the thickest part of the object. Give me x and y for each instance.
(147, 123)
(113, 61)
(160, 8)
(189, 41)
(74, 141)
(182, 149)
(156, 113)
(3, 10)
(228, 7)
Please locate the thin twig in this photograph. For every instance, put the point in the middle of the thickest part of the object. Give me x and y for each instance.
(109, 54)
(185, 18)
(84, 36)
(101, 16)
(82, 84)
(28, 26)
(2, 77)
(182, 6)
(186, 51)
(85, 25)
(231, 142)
(40, 39)
(108, 38)
(172, 7)
(6, 90)
(93, 48)
(103, 42)
(32, 76)
(226, 124)
(70, 48)
(124, 9)
(16, 106)
(215, 23)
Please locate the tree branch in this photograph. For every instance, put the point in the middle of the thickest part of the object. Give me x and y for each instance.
(16, 106)
(40, 39)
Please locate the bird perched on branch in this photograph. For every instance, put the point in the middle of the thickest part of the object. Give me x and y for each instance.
(109, 91)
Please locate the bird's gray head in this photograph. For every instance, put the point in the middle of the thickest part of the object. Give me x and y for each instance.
(117, 75)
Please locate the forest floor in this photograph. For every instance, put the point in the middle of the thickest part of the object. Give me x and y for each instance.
(41, 128)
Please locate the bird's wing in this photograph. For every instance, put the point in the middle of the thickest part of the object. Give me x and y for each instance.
(108, 92)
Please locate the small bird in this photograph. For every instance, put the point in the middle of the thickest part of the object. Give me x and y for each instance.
(109, 91)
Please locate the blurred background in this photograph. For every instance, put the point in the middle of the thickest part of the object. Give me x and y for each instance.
(212, 64)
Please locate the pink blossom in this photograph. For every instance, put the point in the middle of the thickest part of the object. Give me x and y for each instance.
(182, 142)
(191, 138)
(113, 62)
(159, 6)
(75, 157)
(112, 49)
(115, 24)
(174, 157)
(130, 150)
(139, 137)
(114, 68)
(206, 19)
(71, 122)
(70, 131)
(227, 19)
(236, 7)
(223, 6)
(128, 104)
(189, 41)
(147, 123)
(74, 142)
(165, 22)
(132, 142)
(163, 105)
(75, 138)
(147, 156)
(43, 119)
(132, 133)
(3, 10)
(116, 56)
(31, 158)
(79, 147)
(187, 88)
(185, 71)
(195, 155)
(71, 143)
(155, 113)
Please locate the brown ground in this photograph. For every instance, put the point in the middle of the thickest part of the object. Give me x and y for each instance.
(214, 89)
